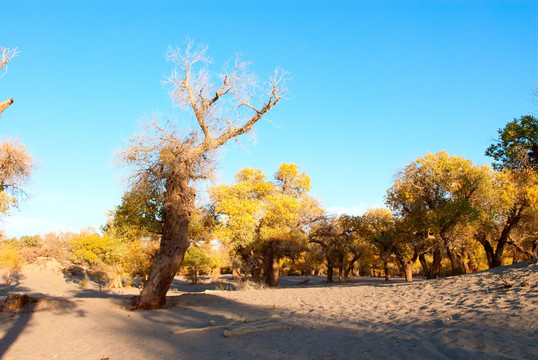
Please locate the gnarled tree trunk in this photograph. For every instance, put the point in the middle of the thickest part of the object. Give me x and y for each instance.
(490, 252)
(495, 258)
(455, 263)
(432, 270)
(349, 268)
(179, 202)
(408, 271)
(406, 265)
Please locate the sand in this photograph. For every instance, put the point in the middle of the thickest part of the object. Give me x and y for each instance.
(487, 315)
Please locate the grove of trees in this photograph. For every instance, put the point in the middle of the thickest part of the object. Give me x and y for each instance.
(444, 215)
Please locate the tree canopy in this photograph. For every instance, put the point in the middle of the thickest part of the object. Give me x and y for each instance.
(517, 145)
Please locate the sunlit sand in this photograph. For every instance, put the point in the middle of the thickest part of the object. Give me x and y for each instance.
(486, 315)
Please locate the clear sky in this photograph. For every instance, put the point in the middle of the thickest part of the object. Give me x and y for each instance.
(375, 84)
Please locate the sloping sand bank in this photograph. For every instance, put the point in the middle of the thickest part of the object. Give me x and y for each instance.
(487, 315)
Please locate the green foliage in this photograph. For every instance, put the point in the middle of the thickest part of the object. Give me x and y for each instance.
(197, 259)
(517, 146)
(138, 215)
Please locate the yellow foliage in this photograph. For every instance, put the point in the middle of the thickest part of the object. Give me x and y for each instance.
(6, 202)
(10, 260)
(16, 165)
(254, 209)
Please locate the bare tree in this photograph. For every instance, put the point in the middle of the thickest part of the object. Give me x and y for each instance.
(16, 164)
(5, 58)
(172, 160)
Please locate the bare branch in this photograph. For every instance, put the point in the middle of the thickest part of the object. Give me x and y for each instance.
(6, 56)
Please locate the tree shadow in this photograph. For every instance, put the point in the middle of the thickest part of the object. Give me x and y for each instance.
(17, 321)
(316, 337)
(14, 284)
(321, 281)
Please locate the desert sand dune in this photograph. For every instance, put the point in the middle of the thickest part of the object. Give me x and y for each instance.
(487, 315)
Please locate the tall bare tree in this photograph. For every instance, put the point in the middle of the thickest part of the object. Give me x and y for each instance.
(16, 164)
(171, 160)
(5, 57)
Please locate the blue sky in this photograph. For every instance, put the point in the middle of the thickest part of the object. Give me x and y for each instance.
(374, 85)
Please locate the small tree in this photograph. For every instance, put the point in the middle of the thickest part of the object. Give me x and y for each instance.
(170, 160)
(10, 260)
(196, 259)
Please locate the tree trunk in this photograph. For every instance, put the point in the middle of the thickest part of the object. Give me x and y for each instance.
(436, 263)
(179, 202)
(408, 271)
(235, 273)
(513, 219)
(256, 275)
(455, 263)
(406, 265)
(495, 258)
(272, 265)
(386, 269)
(490, 253)
(329, 273)
(341, 271)
(349, 268)
(115, 282)
(275, 271)
(466, 267)
(425, 267)
(432, 270)
(457, 268)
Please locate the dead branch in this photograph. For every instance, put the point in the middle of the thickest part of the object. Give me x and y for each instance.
(6, 56)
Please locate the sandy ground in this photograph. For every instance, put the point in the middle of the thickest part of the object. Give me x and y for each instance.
(468, 317)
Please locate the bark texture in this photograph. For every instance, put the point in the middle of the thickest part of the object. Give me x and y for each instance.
(272, 265)
(179, 202)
